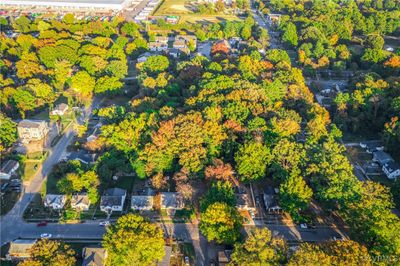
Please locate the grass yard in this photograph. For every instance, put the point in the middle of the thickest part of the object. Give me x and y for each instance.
(29, 169)
(185, 10)
(174, 7)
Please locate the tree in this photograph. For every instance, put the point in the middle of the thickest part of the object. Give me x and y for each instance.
(134, 241)
(374, 41)
(294, 194)
(107, 84)
(252, 160)
(156, 64)
(221, 171)
(49, 252)
(290, 34)
(82, 84)
(309, 255)
(219, 192)
(260, 248)
(246, 32)
(221, 223)
(23, 100)
(219, 6)
(8, 132)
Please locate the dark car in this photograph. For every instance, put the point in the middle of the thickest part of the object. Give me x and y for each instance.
(43, 223)
(4, 186)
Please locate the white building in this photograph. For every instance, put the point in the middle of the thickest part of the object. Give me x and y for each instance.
(80, 202)
(60, 109)
(141, 202)
(56, 202)
(32, 130)
(113, 200)
(391, 169)
(69, 4)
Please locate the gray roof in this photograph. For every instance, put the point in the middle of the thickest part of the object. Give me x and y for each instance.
(94, 256)
(115, 192)
(30, 123)
(82, 156)
(382, 157)
(392, 166)
(21, 247)
(8, 166)
(141, 201)
(172, 200)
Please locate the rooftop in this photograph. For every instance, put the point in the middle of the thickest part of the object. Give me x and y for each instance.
(171, 200)
(80, 199)
(8, 166)
(31, 123)
(141, 201)
(94, 256)
(392, 166)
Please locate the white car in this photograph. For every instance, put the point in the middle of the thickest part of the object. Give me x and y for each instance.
(105, 223)
(45, 235)
(303, 226)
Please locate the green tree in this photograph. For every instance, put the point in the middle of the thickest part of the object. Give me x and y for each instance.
(219, 192)
(252, 160)
(47, 252)
(374, 41)
(107, 84)
(246, 32)
(290, 34)
(82, 84)
(134, 241)
(8, 132)
(156, 64)
(221, 223)
(294, 194)
(260, 248)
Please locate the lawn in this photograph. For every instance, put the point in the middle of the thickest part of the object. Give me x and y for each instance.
(174, 7)
(29, 170)
(185, 9)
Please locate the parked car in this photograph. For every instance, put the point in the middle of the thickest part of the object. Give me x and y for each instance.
(303, 226)
(43, 223)
(337, 237)
(45, 235)
(187, 260)
(104, 223)
(4, 187)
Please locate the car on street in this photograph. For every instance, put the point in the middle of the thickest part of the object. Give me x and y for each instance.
(303, 226)
(337, 237)
(187, 260)
(43, 223)
(45, 235)
(104, 223)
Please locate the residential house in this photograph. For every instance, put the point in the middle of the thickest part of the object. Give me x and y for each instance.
(372, 146)
(158, 46)
(113, 199)
(60, 109)
(172, 201)
(179, 44)
(29, 130)
(174, 52)
(381, 157)
(94, 256)
(166, 261)
(161, 39)
(271, 204)
(391, 169)
(188, 39)
(19, 249)
(244, 202)
(8, 168)
(141, 202)
(143, 57)
(83, 157)
(172, 19)
(80, 202)
(54, 201)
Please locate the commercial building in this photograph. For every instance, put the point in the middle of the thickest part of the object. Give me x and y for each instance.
(69, 4)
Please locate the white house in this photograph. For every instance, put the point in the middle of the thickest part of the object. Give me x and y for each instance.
(56, 202)
(158, 46)
(19, 249)
(113, 200)
(143, 58)
(60, 109)
(171, 200)
(391, 169)
(141, 202)
(32, 130)
(80, 202)
(8, 168)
